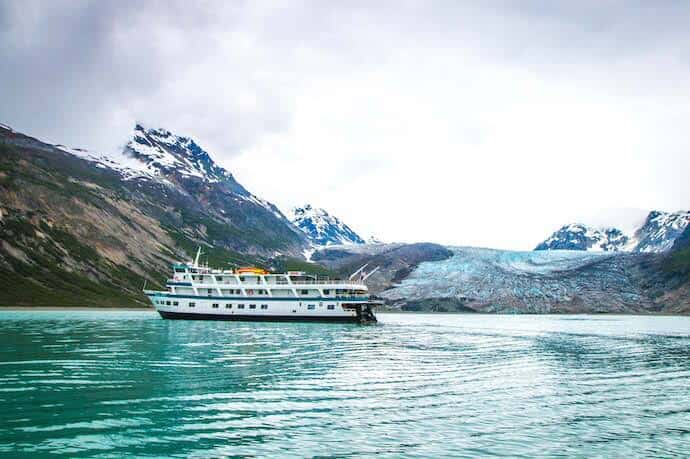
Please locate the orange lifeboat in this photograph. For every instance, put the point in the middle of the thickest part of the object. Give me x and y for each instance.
(252, 270)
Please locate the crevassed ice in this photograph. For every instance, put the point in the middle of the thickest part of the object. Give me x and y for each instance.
(481, 273)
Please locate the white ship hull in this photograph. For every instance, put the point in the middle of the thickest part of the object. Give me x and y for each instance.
(265, 309)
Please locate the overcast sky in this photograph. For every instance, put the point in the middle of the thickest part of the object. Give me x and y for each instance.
(487, 123)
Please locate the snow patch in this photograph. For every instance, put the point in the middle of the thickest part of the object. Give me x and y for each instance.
(128, 167)
(170, 153)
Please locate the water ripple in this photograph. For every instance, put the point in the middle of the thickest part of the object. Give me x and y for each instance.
(109, 384)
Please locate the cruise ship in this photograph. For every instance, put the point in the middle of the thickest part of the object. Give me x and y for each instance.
(253, 294)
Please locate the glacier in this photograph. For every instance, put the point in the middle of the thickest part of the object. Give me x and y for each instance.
(490, 280)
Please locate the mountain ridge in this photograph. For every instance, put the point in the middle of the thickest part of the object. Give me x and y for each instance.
(655, 235)
(578, 236)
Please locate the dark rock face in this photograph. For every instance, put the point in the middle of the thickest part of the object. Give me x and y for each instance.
(682, 241)
(671, 282)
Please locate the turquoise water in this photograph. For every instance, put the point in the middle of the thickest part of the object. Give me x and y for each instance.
(111, 384)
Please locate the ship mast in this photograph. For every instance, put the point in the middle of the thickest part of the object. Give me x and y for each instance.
(196, 259)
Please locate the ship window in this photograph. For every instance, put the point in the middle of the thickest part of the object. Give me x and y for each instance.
(311, 306)
(228, 306)
(331, 306)
(167, 303)
(327, 292)
(240, 306)
(252, 306)
(264, 306)
(191, 305)
(219, 278)
(304, 292)
(175, 303)
(214, 305)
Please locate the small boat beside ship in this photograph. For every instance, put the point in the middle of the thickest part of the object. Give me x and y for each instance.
(254, 294)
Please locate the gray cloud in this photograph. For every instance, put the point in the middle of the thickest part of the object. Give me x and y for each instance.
(79, 71)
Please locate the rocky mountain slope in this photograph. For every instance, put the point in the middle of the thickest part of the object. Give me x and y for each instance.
(657, 234)
(78, 228)
(321, 228)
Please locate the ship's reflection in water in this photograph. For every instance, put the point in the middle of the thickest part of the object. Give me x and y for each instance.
(126, 383)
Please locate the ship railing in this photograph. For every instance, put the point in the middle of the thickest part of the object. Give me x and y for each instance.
(325, 282)
(268, 284)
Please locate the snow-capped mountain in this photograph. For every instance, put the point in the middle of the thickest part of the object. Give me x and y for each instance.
(660, 230)
(322, 228)
(156, 154)
(167, 153)
(657, 234)
(577, 236)
(160, 155)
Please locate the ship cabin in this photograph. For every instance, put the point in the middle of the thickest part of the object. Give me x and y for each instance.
(191, 279)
